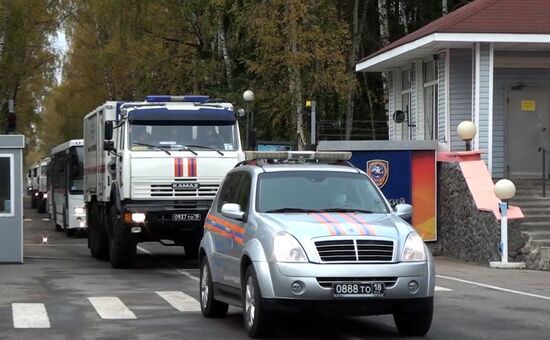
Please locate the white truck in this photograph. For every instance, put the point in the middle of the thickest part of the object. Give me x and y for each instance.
(152, 169)
(42, 185)
(33, 188)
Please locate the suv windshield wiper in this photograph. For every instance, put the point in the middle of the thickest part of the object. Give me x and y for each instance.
(295, 210)
(204, 147)
(348, 210)
(152, 146)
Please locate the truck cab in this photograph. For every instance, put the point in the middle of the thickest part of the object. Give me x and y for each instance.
(164, 160)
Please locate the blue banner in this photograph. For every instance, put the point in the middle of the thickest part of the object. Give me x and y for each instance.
(390, 170)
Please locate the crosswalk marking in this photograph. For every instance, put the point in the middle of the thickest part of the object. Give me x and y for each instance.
(442, 289)
(111, 308)
(180, 301)
(30, 315)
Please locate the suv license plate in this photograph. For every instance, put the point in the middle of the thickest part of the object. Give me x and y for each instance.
(186, 217)
(358, 289)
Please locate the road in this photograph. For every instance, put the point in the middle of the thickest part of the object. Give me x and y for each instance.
(61, 292)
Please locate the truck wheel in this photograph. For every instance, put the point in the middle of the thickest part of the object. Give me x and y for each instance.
(99, 242)
(210, 308)
(414, 322)
(257, 320)
(122, 250)
(192, 250)
(42, 205)
(33, 201)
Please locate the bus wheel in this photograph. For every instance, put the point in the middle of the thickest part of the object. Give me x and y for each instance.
(122, 250)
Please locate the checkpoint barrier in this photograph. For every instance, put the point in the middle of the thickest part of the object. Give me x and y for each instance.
(405, 171)
(11, 198)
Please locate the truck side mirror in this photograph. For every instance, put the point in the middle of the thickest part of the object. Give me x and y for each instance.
(108, 130)
(109, 145)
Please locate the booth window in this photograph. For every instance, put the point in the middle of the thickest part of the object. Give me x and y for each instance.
(6, 185)
(430, 99)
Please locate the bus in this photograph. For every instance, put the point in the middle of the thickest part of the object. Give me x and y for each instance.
(66, 187)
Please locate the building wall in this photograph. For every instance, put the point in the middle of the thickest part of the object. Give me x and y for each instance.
(503, 79)
(484, 74)
(460, 93)
(391, 104)
(441, 107)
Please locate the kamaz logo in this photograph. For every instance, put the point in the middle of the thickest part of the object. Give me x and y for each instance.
(184, 185)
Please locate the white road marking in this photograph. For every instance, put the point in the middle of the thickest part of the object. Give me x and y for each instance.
(180, 301)
(181, 271)
(46, 220)
(27, 219)
(442, 289)
(187, 274)
(30, 315)
(111, 308)
(140, 248)
(494, 287)
(56, 245)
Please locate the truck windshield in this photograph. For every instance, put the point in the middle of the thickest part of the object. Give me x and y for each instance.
(175, 137)
(317, 191)
(76, 172)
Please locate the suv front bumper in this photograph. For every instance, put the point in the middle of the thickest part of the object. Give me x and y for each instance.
(276, 280)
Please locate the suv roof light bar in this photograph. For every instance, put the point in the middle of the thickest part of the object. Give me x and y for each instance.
(298, 155)
(171, 99)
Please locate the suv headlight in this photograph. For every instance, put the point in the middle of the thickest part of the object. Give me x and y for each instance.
(414, 248)
(287, 249)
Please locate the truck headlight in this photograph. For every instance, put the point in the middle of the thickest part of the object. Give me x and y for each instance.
(414, 248)
(287, 249)
(138, 217)
(45, 195)
(79, 210)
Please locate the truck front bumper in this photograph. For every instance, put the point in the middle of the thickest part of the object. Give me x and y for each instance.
(163, 220)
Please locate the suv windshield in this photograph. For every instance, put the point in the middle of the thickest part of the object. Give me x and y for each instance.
(175, 137)
(303, 191)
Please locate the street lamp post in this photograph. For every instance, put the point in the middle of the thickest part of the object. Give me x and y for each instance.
(248, 97)
(466, 131)
(505, 190)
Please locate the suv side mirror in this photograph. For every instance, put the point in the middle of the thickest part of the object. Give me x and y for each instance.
(404, 210)
(108, 133)
(109, 145)
(233, 210)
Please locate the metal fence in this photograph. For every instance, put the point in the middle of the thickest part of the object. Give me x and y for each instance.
(362, 130)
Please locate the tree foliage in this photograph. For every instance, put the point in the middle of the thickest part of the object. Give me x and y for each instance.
(286, 51)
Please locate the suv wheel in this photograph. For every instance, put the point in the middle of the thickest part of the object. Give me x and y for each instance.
(256, 318)
(210, 308)
(415, 322)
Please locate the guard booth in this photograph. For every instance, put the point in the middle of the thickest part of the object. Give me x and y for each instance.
(405, 171)
(11, 198)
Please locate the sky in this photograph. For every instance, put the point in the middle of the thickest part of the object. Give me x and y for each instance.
(61, 46)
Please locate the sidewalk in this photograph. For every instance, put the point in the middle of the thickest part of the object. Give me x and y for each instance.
(524, 280)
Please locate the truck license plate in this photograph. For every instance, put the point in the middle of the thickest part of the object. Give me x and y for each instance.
(186, 217)
(358, 289)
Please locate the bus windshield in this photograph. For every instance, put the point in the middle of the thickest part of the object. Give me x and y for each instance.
(76, 173)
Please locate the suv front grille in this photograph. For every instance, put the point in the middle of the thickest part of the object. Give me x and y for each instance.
(352, 250)
(326, 282)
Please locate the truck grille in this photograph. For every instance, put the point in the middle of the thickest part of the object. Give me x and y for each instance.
(326, 282)
(166, 190)
(352, 250)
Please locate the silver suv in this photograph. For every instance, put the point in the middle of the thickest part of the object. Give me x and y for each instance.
(306, 231)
